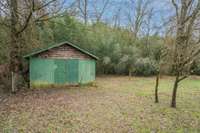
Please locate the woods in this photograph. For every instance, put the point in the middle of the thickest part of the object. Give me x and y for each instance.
(64, 63)
(128, 41)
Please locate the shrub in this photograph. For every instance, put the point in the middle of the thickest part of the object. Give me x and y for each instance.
(144, 67)
(196, 68)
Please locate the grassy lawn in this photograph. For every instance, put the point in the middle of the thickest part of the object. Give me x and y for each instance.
(113, 104)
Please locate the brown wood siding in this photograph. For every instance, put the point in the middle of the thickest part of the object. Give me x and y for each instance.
(63, 52)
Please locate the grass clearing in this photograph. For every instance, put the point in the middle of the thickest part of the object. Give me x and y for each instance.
(113, 104)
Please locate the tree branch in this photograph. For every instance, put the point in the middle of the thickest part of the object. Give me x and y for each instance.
(176, 7)
(41, 18)
(28, 18)
(182, 78)
(33, 9)
(44, 5)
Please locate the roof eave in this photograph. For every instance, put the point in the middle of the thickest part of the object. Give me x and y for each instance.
(60, 44)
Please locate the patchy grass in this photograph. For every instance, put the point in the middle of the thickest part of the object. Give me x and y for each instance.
(113, 104)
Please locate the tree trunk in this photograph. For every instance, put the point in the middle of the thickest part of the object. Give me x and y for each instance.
(85, 11)
(14, 64)
(156, 88)
(14, 68)
(129, 73)
(173, 102)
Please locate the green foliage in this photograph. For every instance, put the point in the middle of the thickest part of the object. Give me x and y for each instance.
(145, 67)
(196, 68)
(118, 51)
(4, 46)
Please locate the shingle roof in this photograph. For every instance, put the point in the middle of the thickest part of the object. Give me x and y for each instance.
(60, 44)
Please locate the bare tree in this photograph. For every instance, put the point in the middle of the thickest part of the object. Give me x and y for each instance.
(161, 59)
(147, 28)
(99, 10)
(137, 14)
(83, 9)
(186, 47)
(116, 19)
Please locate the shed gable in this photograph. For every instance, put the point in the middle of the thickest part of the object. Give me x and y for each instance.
(63, 52)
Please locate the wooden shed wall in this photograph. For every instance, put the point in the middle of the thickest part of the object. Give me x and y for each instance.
(64, 52)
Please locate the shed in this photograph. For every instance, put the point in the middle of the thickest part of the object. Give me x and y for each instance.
(64, 63)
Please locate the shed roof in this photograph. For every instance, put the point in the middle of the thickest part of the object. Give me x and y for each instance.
(60, 44)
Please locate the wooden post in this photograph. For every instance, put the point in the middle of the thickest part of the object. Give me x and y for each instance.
(13, 84)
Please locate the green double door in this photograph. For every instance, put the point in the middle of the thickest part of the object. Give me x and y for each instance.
(66, 71)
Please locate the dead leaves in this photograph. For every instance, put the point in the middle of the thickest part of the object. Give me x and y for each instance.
(116, 105)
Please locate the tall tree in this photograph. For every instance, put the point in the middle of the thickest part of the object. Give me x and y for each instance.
(137, 14)
(21, 13)
(83, 9)
(99, 9)
(186, 47)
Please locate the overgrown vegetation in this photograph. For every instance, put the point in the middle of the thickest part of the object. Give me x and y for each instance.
(129, 41)
(129, 49)
(119, 53)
